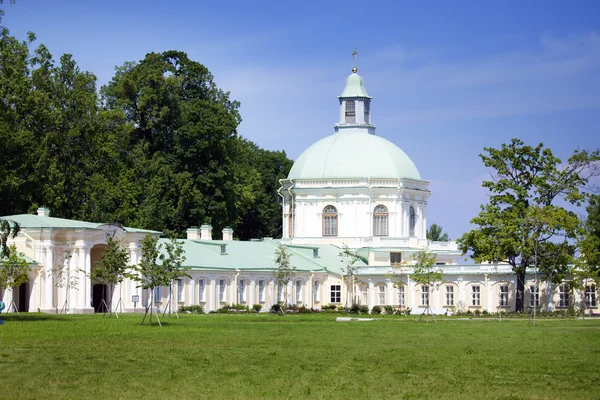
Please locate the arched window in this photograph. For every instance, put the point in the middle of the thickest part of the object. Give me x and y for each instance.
(411, 222)
(330, 221)
(350, 112)
(380, 221)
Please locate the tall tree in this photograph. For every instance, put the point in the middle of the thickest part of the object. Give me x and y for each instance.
(284, 273)
(589, 242)
(427, 275)
(522, 225)
(435, 233)
(349, 258)
(8, 230)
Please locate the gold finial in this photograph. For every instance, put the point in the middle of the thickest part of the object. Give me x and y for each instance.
(354, 53)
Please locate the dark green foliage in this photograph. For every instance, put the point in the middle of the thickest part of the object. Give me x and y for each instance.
(522, 225)
(196, 309)
(435, 233)
(376, 310)
(157, 148)
(257, 307)
(389, 310)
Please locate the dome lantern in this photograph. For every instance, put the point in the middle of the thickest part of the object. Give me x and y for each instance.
(355, 103)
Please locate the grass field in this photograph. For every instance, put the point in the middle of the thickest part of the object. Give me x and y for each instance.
(296, 356)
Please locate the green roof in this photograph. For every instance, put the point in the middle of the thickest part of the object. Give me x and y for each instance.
(354, 155)
(355, 87)
(34, 221)
(257, 256)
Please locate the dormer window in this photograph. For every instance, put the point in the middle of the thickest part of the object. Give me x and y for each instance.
(350, 112)
(367, 111)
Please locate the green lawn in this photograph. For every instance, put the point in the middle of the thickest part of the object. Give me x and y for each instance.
(296, 356)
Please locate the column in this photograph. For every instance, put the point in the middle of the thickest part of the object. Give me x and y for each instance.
(87, 265)
(461, 293)
(489, 298)
(48, 288)
(252, 294)
(370, 293)
(81, 297)
(290, 293)
(75, 298)
(405, 218)
(409, 292)
(132, 283)
(389, 288)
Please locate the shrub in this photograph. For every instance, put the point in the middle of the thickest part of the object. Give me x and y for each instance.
(376, 310)
(364, 309)
(354, 309)
(389, 310)
(275, 308)
(329, 307)
(191, 309)
(256, 308)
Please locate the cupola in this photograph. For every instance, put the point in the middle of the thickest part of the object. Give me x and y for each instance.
(355, 104)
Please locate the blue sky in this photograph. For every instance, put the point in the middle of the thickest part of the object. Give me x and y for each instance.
(447, 77)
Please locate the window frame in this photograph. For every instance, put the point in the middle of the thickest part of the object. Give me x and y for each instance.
(330, 221)
(316, 290)
(424, 296)
(401, 296)
(449, 295)
(350, 112)
(590, 296)
(367, 106)
(534, 296)
(242, 285)
(380, 220)
(157, 295)
(222, 290)
(382, 295)
(394, 255)
(336, 294)
(202, 290)
(476, 295)
(262, 284)
(503, 300)
(298, 291)
(564, 297)
(180, 291)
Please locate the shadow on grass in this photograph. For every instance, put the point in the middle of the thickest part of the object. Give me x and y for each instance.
(25, 317)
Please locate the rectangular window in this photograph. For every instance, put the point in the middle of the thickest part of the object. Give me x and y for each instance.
(563, 296)
(157, 294)
(330, 225)
(242, 291)
(395, 258)
(380, 225)
(367, 111)
(382, 295)
(534, 296)
(336, 293)
(401, 301)
(316, 287)
(350, 112)
(201, 290)
(180, 287)
(261, 290)
(590, 296)
(476, 295)
(424, 295)
(365, 297)
(298, 291)
(222, 288)
(449, 295)
(504, 296)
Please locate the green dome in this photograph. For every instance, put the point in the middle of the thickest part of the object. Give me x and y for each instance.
(355, 87)
(353, 155)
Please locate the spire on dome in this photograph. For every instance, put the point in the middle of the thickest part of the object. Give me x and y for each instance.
(355, 104)
(354, 53)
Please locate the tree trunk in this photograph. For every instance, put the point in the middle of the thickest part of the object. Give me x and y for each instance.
(520, 294)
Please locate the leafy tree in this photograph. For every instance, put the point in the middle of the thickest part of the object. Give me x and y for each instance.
(112, 268)
(285, 272)
(14, 269)
(349, 258)
(8, 230)
(426, 274)
(589, 242)
(434, 233)
(153, 273)
(521, 225)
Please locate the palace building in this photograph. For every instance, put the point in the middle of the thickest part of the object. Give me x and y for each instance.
(351, 189)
